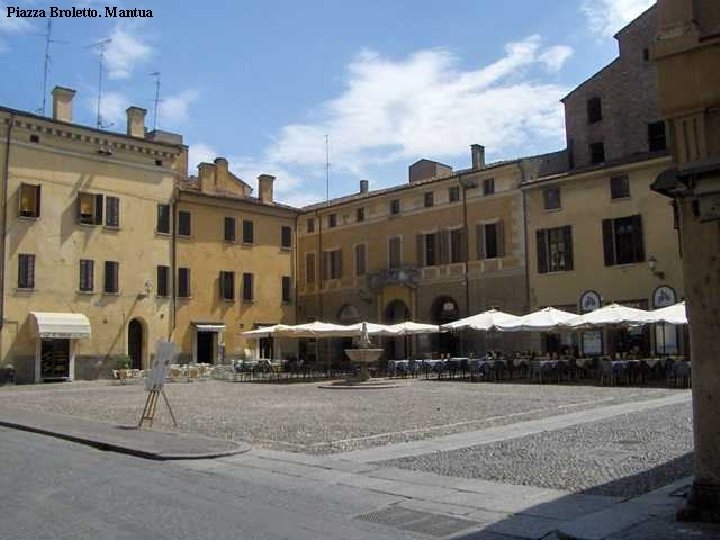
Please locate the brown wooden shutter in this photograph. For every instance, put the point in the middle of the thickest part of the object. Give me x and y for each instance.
(542, 254)
(638, 244)
(463, 245)
(568, 241)
(608, 242)
(500, 236)
(420, 247)
(221, 285)
(98, 209)
(444, 240)
(480, 241)
(338, 264)
(37, 201)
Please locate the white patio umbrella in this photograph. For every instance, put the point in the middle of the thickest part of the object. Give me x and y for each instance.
(487, 320)
(410, 328)
(674, 314)
(318, 329)
(265, 331)
(613, 314)
(373, 329)
(544, 320)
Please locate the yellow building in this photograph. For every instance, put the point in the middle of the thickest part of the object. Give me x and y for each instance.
(444, 245)
(81, 251)
(235, 263)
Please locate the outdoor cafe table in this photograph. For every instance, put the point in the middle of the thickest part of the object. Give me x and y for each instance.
(432, 365)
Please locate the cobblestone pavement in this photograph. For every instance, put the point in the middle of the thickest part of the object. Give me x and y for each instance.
(302, 417)
(624, 456)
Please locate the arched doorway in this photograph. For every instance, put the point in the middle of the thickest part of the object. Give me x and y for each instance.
(396, 312)
(136, 342)
(444, 310)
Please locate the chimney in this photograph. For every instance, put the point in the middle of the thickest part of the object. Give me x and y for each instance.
(62, 103)
(221, 170)
(206, 177)
(477, 151)
(265, 187)
(364, 186)
(136, 122)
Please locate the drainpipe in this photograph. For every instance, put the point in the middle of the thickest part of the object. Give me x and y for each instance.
(296, 266)
(526, 235)
(173, 260)
(467, 245)
(5, 181)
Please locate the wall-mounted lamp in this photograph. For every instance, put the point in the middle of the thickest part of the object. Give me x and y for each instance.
(652, 265)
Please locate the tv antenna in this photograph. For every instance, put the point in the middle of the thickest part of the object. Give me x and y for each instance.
(327, 170)
(101, 46)
(48, 59)
(156, 74)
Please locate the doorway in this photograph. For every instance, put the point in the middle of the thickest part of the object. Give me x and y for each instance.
(55, 359)
(206, 347)
(135, 343)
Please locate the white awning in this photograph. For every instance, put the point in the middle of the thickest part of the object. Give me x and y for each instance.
(209, 327)
(62, 325)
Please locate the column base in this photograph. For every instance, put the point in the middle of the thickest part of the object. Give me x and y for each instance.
(703, 504)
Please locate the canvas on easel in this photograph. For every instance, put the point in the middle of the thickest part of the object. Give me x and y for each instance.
(155, 382)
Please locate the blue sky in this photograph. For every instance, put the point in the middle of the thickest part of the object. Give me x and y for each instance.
(389, 82)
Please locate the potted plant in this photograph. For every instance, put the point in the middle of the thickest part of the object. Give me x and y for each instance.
(124, 362)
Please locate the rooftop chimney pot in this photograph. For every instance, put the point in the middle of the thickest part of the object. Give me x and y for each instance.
(136, 122)
(477, 152)
(364, 186)
(62, 103)
(265, 187)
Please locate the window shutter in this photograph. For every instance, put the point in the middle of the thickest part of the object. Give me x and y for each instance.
(638, 245)
(542, 254)
(221, 285)
(420, 246)
(324, 264)
(98, 209)
(568, 241)
(31, 271)
(480, 241)
(500, 235)
(37, 201)
(444, 240)
(463, 245)
(78, 208)
(608, 242)
(338, 263)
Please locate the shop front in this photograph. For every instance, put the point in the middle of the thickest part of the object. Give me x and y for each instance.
(207, 343)
(56, 335)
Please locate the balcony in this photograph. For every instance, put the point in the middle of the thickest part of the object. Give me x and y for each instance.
(407, 276)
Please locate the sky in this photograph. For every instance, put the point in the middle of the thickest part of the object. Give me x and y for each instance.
(263, 83)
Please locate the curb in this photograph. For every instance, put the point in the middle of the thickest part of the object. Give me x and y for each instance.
(124, 449)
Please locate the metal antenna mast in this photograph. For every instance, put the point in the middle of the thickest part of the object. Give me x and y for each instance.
(327, 170)
(102, 45)
(156, 74)
(46, 67)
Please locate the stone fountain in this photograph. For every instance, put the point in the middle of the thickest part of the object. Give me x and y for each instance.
(364, 355)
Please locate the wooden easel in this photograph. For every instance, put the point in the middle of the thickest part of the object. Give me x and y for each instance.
(151, 404)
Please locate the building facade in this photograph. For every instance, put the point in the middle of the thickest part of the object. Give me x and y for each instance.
(79, 238)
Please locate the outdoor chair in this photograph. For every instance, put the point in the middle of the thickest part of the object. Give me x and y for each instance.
(536, 371)
(682, 375)
(606, 373)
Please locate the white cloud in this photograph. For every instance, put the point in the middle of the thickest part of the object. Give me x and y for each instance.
(555, 57)
(173, 110)
(112, 109)
(606, 17)
(11, 25)
(124, 52)
(200, 153)
(424, 105)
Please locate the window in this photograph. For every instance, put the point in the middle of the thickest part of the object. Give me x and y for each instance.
(360, 214)
(491, 240)
(454, 194)
(619, 187)
(89, 208)
(184, 223)
(26, 271)
(248, 293)
(87, 270)
(229, 229)
(551, 198)
(163, 281)
(594, 110)
(112, 212)
(431, 249)
(227, 285)
(248, 232)
(623, 240)
(457, 246)
(34, 139)
(429, 199)
(488, 186)
(310, 225)
(394, 207)
(332, 264)
(360, 259)
(394, 252)
(554, 249)
(286, 289)
(286, 236)
(163, 218)
(597, 153)
(183, 282)
(29, 201)
(332, 221)
(310, 267)
(112, 269)
(656, 137)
